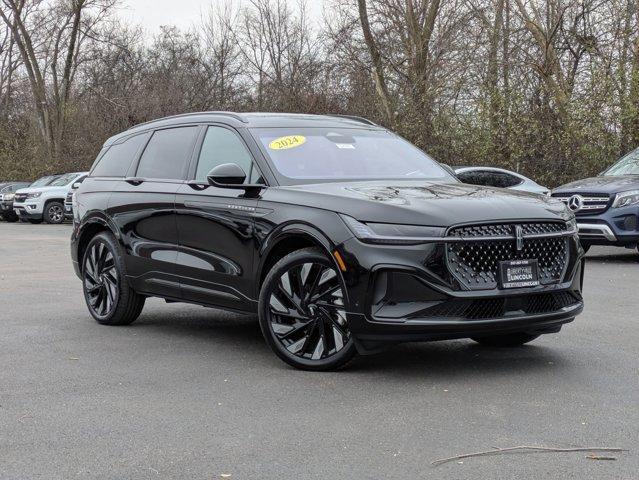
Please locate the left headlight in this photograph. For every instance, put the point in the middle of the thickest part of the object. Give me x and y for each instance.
(8, 196)
(392, 234)
(34, 195)
(624, 199)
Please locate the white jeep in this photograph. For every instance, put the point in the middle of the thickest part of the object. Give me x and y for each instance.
(46, 203)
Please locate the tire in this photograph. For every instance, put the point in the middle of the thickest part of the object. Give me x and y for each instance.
(508, 340)
(302, 312)
(109, 298)
(54, 213)
(34, 221)
(10, 218)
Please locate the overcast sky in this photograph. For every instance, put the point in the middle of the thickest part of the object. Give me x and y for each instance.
(151, 14)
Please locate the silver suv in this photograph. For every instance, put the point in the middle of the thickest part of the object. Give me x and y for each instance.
(47, 202)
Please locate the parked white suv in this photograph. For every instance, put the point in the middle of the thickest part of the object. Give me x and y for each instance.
(46, 203)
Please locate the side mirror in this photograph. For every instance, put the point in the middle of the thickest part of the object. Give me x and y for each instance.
(230, 175)
(76, 185)
(227, 175)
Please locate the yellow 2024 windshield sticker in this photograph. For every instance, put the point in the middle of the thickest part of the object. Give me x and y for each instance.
(284, 143)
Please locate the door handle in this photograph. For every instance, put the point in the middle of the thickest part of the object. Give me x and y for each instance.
(134, 181)
(195, 185)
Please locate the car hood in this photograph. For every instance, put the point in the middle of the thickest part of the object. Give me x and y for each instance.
(422, 203)
(44, 189)
(603, 184)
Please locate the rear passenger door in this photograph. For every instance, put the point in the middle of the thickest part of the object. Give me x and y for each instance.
(143, 208)
(215, 225)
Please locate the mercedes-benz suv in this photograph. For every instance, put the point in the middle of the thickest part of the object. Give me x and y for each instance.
(340, 235)
(607, 206)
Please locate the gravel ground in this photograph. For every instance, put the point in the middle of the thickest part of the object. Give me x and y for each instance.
(194, 393)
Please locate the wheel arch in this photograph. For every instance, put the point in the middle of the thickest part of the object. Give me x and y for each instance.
(287, 239)
(89, 229)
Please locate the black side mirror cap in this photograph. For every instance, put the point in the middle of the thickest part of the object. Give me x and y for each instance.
(230, 175)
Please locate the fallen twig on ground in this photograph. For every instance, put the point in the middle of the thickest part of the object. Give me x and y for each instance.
(497, 450)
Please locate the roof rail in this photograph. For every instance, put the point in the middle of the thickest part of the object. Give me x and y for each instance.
(236, 116)
(355, 118)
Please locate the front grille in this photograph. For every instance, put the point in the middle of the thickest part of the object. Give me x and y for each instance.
(475, 263)
(19, 198)
(590, 203)
(489, 308)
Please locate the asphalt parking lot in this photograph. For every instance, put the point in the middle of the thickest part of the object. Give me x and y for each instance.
(193, 393)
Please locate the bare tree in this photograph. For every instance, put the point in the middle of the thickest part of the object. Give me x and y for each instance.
(49, 38)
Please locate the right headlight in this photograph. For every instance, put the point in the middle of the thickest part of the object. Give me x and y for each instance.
(391, 233)
(625, 199)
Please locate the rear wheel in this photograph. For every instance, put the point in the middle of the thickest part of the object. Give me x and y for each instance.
(54, 213)
(302, 312)
(110, 299)
(508, 340)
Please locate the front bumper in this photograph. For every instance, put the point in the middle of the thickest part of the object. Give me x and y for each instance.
(26, 212)
(616, 227)
(29, 210)
(432, 310)
(6, 207)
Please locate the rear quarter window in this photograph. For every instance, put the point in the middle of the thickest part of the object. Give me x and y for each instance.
(115, 162)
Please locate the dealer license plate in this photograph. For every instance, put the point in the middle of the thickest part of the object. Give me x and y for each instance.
(519, 273)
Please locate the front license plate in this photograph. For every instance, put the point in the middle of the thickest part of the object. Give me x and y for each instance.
(519, 273)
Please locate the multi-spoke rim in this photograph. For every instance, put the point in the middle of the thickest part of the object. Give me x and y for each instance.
(55, 213)
(306, 310)
(101, 279)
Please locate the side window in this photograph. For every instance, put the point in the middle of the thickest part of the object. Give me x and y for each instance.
(467, 177)
(117, 159)
(511, 180)
(167, 153)
(220, 146)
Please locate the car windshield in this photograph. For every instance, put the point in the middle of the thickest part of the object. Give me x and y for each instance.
(628, 165)
(41, 182)
(314, 154)
(63, 180)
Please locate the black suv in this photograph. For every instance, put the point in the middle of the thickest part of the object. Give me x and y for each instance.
(340, 235)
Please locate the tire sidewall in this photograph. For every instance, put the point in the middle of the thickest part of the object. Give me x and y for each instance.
(297, 258)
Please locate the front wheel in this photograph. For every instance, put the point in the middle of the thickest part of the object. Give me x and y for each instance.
(54, 213)
(110, 299)
(302, 312)
(509, 340)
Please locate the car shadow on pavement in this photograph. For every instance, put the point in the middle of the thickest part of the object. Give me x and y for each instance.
(460, 358)
(432, 359)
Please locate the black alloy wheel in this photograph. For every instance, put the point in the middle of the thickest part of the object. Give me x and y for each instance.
(101, 280)
(54, 213)
(302, 312)
(108, 296)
